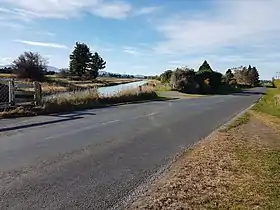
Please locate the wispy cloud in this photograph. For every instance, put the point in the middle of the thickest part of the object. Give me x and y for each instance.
(15, 14)
(231, 25)
(31, 9)
(115, 10)
(130, 50)
(28, 10)
(146, 10)
(42, 44)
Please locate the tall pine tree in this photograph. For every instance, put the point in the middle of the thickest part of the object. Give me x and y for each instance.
(205, 67)
(255, 77)
(79, 60)
(95, 64)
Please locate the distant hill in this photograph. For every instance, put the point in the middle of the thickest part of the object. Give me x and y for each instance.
(50, 68)
(3, 66)
(108, 74)
(101, 73)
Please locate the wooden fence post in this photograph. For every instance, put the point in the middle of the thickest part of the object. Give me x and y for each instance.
(38, 93)
(11, 92)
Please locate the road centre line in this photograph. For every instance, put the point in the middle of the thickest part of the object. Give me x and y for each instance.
(82, 129)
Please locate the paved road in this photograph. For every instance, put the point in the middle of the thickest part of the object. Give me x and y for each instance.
(94, 159)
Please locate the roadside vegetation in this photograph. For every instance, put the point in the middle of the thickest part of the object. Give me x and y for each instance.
(270, 103)
(207, 81)
(235, 168)
(276, 82)
(82, 100)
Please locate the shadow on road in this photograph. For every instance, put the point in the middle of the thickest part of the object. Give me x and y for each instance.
(71, 114)
(70, 117)
(248, 93)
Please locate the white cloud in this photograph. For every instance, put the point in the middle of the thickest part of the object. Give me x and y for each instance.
(130, 50)
(31, 9)
(231, 24)
(42, 44)
(13, 14)
(27, 10)
(146, 10)
(114, 10)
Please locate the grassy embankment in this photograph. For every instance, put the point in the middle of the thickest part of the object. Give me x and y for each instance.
(82, 100)
(235, 168)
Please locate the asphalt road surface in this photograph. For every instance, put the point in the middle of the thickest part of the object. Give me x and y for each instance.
(94, 159)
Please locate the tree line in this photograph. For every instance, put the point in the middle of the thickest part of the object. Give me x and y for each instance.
(83, 64)
(205, 80)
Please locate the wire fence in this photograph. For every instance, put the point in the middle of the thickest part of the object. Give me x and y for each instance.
(5, 93)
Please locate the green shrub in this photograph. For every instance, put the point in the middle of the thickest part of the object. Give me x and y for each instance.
(183, 80)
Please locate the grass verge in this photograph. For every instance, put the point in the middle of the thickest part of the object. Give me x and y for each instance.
(238, 122)
(269, 104)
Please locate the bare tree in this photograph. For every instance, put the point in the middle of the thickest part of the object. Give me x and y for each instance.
(30, 65)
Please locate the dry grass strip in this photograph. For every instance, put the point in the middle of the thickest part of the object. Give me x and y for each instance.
(237, 169)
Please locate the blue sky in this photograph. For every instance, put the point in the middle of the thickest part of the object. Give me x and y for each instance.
(146, 36)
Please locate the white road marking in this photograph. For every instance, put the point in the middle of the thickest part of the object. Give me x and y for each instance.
(146, 115)
(110, 122)
(151, 114)
(81, 129)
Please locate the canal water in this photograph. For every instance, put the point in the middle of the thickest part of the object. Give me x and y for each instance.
(106, 91)
(111, 90)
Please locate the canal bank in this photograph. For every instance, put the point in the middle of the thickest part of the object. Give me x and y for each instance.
(102, 91)
(90, 99)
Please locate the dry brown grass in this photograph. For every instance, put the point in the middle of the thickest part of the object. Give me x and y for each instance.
(237, 169)
(7, 76)
(17, 112)
(91, 99)
(57, 84)
(79, 100)
(49, 88)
